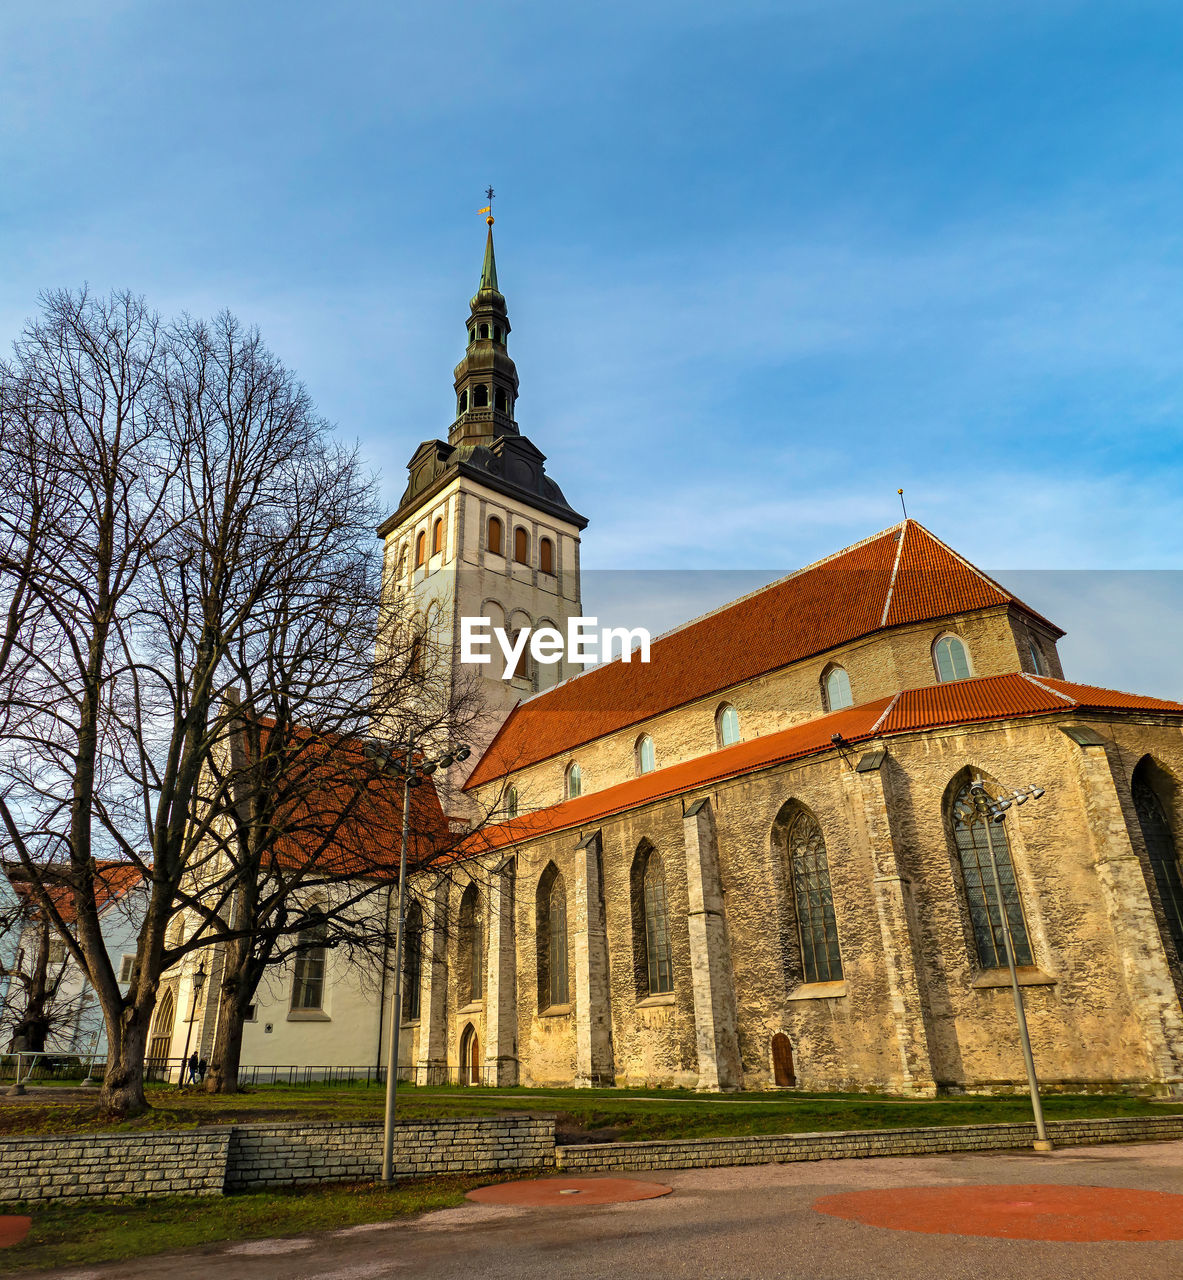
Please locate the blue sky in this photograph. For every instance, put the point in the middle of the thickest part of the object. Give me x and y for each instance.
(765, 262)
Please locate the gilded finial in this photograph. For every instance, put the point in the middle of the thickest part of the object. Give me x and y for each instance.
(489, 194)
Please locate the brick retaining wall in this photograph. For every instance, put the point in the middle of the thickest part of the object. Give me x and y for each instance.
(702, 1153)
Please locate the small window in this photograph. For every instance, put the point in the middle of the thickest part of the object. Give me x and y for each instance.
(727, 725)
(951, 658)
(546, 556)
(484, 331)
(493, 538)
(1037, 662)
(500, 400)
(511, 803)
(437, 537)
(837, 686)
(125, 967)
(472, 334)
(573, 785)
(309, 978)
(464, 401)
(496, 333)
(521, 545)
(645, 759)
(57, 952)
(420, 549)
(480, 396)
(251, 1013)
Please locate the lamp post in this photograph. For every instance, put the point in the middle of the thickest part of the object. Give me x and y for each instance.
(198, 983)
(399, 761)
(989, 811)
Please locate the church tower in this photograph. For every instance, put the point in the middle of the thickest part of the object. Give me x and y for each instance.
(481, 530)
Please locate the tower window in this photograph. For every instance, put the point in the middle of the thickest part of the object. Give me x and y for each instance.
(480, 396)
(500, 400)
(493, 540)
(521, 545)
(484, 332)
(951, 659)
(437, 537)
(727, 725)
(420, 548)
(836, 684)
(472, 335)
(496, 333)
(645, 757)
(464, 401)
(546, 556)
(1037, 663)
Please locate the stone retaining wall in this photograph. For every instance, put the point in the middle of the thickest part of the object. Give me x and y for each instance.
(702, 1153)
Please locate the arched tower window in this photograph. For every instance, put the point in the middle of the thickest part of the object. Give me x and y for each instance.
(836, 684)
(645, 758)
(573, 781)
(464, 401)
(727, 725)
(521, 545)
(551, 935)
(974, 839)
(412, 962)
(496, 333)
(813, 900)
(493, 537)
(420, 548)
(1161, 849)
(472, 946)
(951, 659)
(546, 556)
(484, 331)
(437, 537)
(500, 400)
(480, 396)
(653, 955)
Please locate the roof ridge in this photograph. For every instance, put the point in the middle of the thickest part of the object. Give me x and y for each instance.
(1054, 692)
(887, 710)
(895, 568)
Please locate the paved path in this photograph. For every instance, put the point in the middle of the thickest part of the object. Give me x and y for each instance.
(743, 1223)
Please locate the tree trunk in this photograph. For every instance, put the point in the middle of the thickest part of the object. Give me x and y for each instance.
(223, 1070)
(123, 1082)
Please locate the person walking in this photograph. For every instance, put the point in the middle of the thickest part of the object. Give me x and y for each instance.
(194, 1063)
(202, 1068)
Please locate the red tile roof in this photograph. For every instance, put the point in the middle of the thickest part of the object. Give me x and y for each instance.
(902, 575)
(958, 702)
(112, 881)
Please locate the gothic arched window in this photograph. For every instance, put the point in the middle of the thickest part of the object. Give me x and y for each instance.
(472, 947)
(546, 556)
(974, 838)
(521, 545)
(1038, 665)
(809, 870)
(511, 803)
(551, 934)
(645, 758)
(493, 538)
(412, 962)
(573, 780)
(420, 548)
(1162, 851)
(651, 907)
(727, 725)
(437, 537)
(837, 689)
(951, 659)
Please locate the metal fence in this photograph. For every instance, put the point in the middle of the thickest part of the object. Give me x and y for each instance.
(44, 1068)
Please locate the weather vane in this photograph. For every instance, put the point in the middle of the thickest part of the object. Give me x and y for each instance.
(489, 194)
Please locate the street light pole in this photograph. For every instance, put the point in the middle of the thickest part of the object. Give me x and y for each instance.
(995, 812)
(198, 983)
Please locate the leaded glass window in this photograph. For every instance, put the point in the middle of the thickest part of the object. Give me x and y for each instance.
(821, 960)
(646, 759)
(951, 658)
(657, 928)
(574, 780)
(557, 941)
(974, 839)
(727, 724)
(1164, 857)
(412, 962)
(838, 693)
(472, 945)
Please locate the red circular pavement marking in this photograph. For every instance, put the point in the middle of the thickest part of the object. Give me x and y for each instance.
(13, 1228)
(1016, 1212)
(553, 1192)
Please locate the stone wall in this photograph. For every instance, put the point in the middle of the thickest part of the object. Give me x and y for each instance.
(100, 1165)
(208, 1162)
(703, 1153)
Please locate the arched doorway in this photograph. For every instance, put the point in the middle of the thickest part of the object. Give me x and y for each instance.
(470, 1056)
(162, 1038)
(783, 1072)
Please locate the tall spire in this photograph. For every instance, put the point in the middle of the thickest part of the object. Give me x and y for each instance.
(489, 270)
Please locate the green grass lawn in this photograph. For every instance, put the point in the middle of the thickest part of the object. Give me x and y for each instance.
(84, 1235)
(625, 1115)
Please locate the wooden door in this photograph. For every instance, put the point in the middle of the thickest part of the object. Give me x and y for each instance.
(782, 1060)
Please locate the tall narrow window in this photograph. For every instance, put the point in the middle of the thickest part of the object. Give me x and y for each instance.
(645, 758)
(484, 332)
(437, 537)
(511, 803)
(464, 401)
(821, 960)
(493, 539)
(573, 781)
(521, 545)
(974, 839)
(420, 548)
(309, 977)
(951, 658)
(412, 962)
(500, 400)
(1163, 853)
(551, 934)
(727, 725)
(1037, 663)
(521, 668)
(546, 556)
(472, 946)
(837, 686)
(658, 956)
